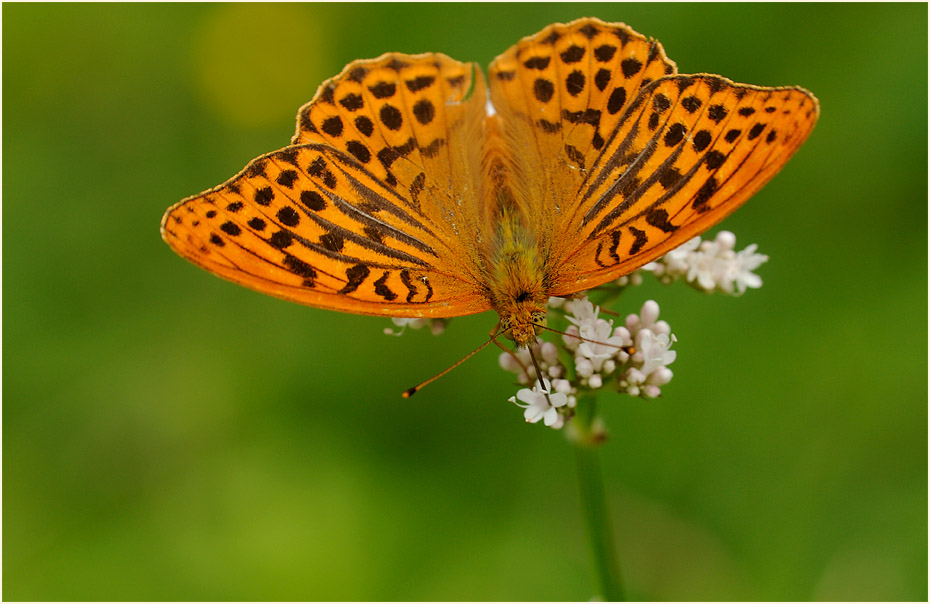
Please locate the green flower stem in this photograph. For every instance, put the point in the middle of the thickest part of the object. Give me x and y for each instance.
(587, 435)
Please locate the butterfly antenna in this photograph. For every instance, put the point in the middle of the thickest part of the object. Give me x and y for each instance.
(411, 391)
(627, 349)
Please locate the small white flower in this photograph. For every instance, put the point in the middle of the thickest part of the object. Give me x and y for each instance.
(582, 311)
(598, 345)
(653, 351)
(676, 262)
(403, 324)
(584, 367)
(745, 262)
(538, 406)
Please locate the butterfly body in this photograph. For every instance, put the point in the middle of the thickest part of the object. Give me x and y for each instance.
(402, 194)
(517, 282)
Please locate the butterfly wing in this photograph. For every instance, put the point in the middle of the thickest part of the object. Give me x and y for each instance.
(689, 151)
(362, 213)
(628, 159)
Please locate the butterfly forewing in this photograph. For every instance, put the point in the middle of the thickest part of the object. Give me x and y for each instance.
(310, 225)
(689, 151)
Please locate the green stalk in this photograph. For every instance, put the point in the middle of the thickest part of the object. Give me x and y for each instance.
(587, 435)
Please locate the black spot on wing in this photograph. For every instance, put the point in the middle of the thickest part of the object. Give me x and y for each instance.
(286, 178)
(332, 126)
(543, 90)
(424, 111)
(572, 54)
(630, 67)
(604, 52)
(409, 284)
(539, 63)
(382, 289)
(640, 241)
(391, 117)
(704, 194)
(658, 218)
(355, 276)
(383, 90)
(300, 268)
(420, 82)
(616, 100)
(352, 102)
(364, 125)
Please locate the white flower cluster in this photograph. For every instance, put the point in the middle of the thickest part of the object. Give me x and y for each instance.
(711, 265)
(632, 359)
(637, 353)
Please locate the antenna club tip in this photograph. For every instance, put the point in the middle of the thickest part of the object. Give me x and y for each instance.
(409, 392)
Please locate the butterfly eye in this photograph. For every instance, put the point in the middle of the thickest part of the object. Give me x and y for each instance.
(504, 326)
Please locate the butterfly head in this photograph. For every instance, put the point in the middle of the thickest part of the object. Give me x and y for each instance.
(521, 324)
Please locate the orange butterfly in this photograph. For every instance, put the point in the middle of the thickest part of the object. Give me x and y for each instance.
(408, 191)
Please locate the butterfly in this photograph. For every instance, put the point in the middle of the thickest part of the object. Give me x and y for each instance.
(414, 187)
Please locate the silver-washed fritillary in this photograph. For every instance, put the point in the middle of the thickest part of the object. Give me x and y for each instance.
(414, 189)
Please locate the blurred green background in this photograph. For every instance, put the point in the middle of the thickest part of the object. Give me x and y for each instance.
(155, 448)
